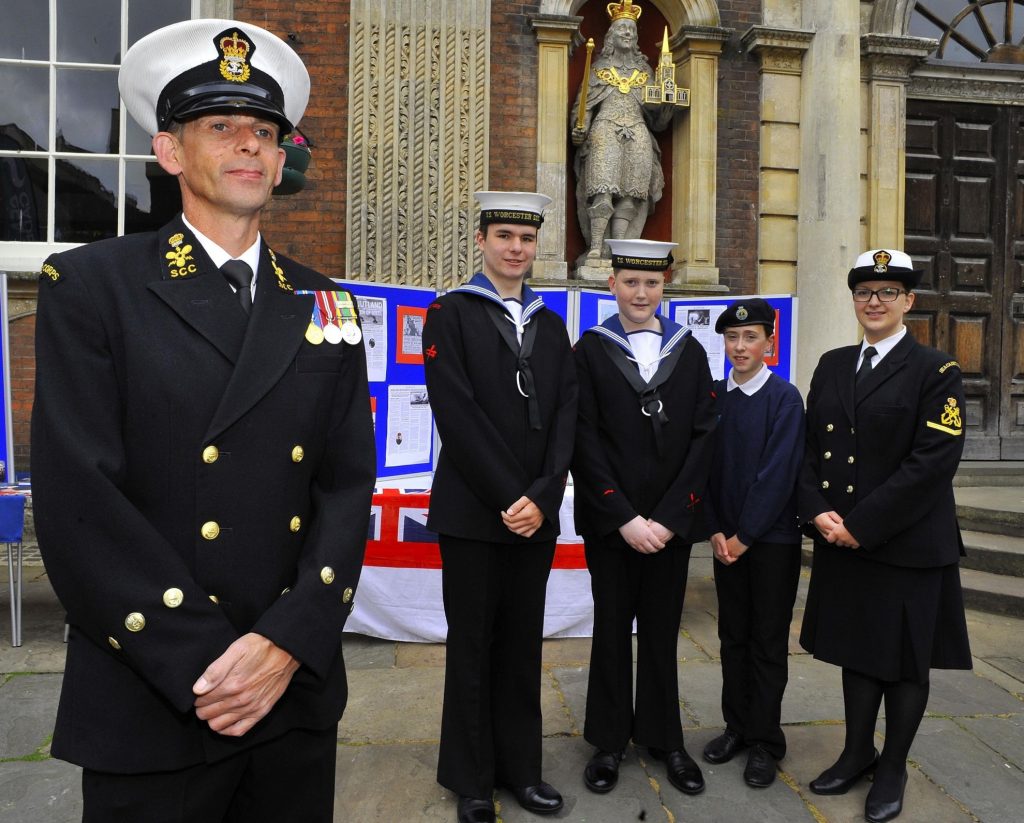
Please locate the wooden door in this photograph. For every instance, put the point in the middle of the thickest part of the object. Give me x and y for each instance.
(965, 229)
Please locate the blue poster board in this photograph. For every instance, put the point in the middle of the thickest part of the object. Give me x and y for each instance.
(7, 474)
(392, 319)
(700, 313)
(556, 299)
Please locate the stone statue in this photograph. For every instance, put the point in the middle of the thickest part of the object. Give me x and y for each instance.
(618, 162)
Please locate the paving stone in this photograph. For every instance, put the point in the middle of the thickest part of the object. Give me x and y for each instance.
(1004, 735)
(28, 706)
(362, 652)
(409, 655)
(962, 693)
(566, 651)
(814, 692)
(47, 791)
(388, 705)
(390, 783)
(572, 685)
(42, 632)
(1013, 666)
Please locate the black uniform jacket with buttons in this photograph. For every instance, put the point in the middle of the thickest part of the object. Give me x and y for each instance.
(144, 361)
(617, 470)
(884, 458)
(490, 455)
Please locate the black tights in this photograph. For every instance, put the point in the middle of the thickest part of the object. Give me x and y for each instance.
(905, 702)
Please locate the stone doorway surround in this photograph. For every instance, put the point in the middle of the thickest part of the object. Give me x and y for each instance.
(696, 42)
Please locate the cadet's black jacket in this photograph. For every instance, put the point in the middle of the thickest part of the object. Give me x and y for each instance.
(490, 456)
(617, 471)
(885, 460)
(194, 478)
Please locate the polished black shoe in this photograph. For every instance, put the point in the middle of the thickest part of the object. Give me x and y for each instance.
(832, 781)
(475, 810)
(760, 770)
(602, 772)
(878, 809)
(683, 772)
(724, 747)
(540, 799)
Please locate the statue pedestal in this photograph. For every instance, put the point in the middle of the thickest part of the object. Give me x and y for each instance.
(594, 268)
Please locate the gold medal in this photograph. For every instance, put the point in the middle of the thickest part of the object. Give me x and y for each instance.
(314, 334)
(351, 334)
(333, 334)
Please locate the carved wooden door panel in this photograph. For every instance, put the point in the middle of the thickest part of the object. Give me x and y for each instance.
(1011, 413)
(960, 205)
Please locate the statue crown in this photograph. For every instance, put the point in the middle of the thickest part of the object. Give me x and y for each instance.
(234, 46)
(624, 11)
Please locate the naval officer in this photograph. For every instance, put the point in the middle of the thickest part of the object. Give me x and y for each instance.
(884, 437)
(202, 465)
(503, 391)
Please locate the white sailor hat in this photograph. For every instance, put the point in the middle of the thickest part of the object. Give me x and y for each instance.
(198, 66)
(884, 264)
(521, 207)
(641, 255)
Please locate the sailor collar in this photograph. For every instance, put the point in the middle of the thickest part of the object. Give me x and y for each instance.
(480, 286)
(671, 335)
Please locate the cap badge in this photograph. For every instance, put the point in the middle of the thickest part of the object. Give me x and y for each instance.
(179, 256)
(881, 258)
(234, 50)
(742, 313)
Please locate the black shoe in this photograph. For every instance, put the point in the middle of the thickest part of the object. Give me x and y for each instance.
(831, 781)
(724, 747)
(475, 810)
(540, 799)
(602, 772)
(878, 809)
(683, 772)
(760, 770)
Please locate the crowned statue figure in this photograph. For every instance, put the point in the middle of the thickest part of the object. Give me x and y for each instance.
(618, 162)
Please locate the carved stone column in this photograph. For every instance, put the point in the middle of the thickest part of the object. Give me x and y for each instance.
(696, 50)
(781, 51)
(555, 34)
(886, 66)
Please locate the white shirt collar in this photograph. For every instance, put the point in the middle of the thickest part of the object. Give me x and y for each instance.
(753, 385)
(883, 347)
(219, 256)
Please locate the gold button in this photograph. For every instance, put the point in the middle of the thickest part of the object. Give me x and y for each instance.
(285, 590)
(295, 524)
(297, 454)
(851, 459)
(210, 530)
(135, 622)
(829, 427)
(173, 598)
(347, 596)
(214, 599)
(849, 489)
(114, 644)
(327, 575)
(828, 455)
(210, 454)
(824, 484)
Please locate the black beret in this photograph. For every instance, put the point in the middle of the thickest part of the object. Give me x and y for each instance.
(752, 311)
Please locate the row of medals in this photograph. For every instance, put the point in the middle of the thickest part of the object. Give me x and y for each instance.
(337, 324)
(334, 333)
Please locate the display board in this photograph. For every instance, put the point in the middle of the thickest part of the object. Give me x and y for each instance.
(7, 474)
(392, 319)
(699, 314)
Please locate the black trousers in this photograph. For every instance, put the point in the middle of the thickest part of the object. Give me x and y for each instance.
(755, 607)
(650, 588)
(491, 722)
(287, 780)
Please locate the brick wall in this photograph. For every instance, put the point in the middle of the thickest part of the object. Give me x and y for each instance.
(513, 144)
(738, 151)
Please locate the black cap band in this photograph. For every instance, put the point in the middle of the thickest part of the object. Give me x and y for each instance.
(908, 277)
(641, 263)
(516, 216)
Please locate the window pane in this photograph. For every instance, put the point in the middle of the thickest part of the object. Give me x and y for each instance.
(25, 115)
(86, 200)
(89, 31)
(151, 196)
(136, 139)
(145, 16)
(22, 197)
(88, 108)
(24, 33)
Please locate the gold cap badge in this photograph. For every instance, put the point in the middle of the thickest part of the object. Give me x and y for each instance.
(234, 51)
(881, 258)
(741, 313)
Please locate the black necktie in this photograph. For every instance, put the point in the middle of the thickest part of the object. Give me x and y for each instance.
(239, 275)
(865, 365)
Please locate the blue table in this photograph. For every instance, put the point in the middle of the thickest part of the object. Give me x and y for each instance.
(12, 527)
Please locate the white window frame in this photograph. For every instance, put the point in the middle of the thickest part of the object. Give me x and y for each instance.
(29, 256)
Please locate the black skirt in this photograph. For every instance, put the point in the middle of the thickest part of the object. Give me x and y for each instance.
(888, 622)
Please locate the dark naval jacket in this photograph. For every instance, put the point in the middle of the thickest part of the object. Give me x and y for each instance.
(883, 456)
(492, 451)
(618, 470)
(196, 475)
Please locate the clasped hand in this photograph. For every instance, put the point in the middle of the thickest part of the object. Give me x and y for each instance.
(645, 535)
(830, 526)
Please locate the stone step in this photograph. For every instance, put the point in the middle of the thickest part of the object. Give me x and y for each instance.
(992, 509)
(993, 593)
(990, 473)
(993, 553)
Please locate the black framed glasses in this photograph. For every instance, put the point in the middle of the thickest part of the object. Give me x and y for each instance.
(886, 295)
